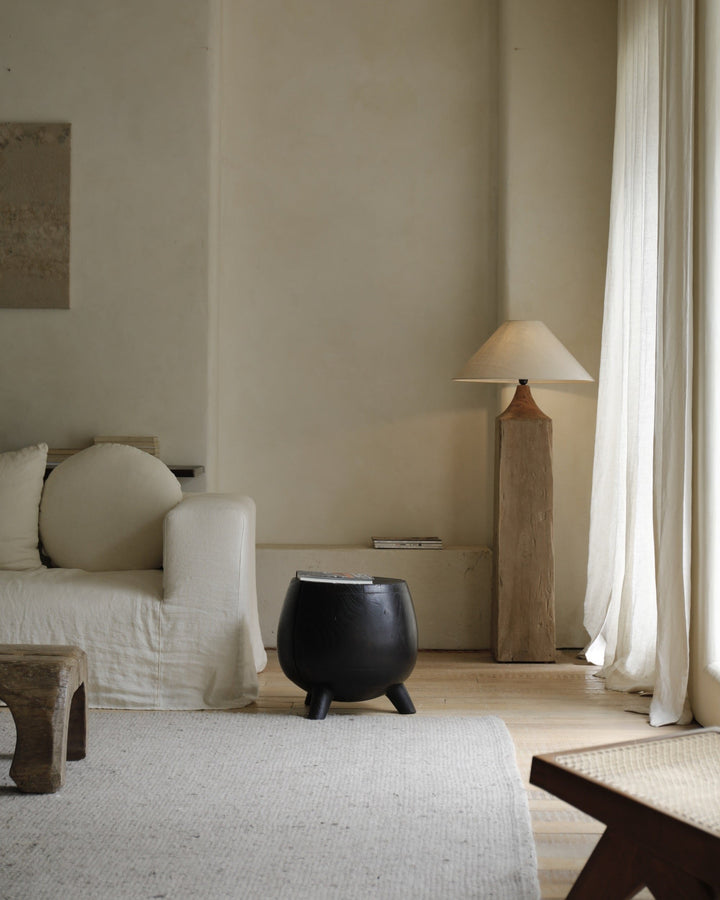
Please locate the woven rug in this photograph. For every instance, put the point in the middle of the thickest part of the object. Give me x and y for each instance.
(234, 805)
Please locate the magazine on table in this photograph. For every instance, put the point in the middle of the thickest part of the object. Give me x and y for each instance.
(334, 577)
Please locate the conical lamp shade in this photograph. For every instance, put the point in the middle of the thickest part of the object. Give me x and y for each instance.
(523, 351)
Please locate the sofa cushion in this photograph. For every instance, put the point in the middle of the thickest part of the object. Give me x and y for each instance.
(21, 484)
(103, 508)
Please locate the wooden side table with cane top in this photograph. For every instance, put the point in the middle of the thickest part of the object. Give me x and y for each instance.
(660, 800)
(44, 688)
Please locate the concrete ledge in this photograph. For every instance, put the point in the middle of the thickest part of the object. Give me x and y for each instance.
(450, 587)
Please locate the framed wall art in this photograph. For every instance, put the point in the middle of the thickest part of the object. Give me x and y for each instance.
(34, 215)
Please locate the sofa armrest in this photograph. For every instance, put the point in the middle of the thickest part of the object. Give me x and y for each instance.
(209, 589)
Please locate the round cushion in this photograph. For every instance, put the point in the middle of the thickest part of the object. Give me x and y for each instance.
(102, 509)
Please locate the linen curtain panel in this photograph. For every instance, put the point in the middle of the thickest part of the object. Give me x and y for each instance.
(705, 646)
(637, 604)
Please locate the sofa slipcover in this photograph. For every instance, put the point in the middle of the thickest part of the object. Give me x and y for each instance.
(186, 636)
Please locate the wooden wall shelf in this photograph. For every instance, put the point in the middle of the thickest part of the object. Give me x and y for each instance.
(189, 471)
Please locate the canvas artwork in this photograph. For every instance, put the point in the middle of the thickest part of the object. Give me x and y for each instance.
(34, 215)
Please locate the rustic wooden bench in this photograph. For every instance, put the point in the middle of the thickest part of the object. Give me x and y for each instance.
(44, 688)
(660, 800)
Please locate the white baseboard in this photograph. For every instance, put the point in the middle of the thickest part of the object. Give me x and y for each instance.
(450, 587)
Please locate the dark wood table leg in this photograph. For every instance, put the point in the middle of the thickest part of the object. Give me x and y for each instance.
(668, 882)
(320, 700)
(397, 694)
(77, 726)
(618, 869)
(611, 873)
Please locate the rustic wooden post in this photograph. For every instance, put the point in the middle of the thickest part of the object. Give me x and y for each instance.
(523, 607)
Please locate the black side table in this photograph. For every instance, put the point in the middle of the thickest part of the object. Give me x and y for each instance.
(348, 642)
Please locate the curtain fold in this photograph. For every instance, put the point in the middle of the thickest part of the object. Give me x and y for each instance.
(637, 603)
(674, 373)
(705, 648)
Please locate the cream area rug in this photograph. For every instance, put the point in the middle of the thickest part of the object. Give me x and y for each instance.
(261, 806)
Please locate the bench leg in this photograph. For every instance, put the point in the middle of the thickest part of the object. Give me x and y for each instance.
(51, 726)
(668, 882)
(618, 869)
(77, 726)
(611, 873)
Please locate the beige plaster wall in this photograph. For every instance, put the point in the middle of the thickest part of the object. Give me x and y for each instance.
(557, 103)
(130, 356)
(363, 256)
(356, 265)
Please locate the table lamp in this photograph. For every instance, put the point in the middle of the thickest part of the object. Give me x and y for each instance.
(523, 602)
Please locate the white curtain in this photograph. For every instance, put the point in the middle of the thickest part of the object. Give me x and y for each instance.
(705, 654)
(637, 605)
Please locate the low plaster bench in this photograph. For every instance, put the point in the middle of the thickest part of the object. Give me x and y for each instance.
(44, 688)
(660, 800)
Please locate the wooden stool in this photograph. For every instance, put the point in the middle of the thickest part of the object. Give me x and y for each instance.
(44, 688)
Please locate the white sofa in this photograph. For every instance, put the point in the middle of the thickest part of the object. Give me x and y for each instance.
(183, 636)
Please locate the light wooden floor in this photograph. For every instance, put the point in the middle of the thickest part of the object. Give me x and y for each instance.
(546, 707)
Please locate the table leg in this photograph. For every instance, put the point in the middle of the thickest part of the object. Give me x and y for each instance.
(320, 699)
(77, 726)
(611, 873)
(38, 765)
(668, 882)
(618, 869)
(397, 694)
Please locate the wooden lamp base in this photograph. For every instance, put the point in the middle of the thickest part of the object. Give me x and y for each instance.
(523, 606)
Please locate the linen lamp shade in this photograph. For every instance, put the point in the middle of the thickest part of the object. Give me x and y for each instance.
(523, 351)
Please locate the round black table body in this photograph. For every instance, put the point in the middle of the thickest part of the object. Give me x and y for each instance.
(348, 642)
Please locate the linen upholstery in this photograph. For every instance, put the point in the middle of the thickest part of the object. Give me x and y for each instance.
(103, 508)
(209, 588)
(21, 484)
(187, 637)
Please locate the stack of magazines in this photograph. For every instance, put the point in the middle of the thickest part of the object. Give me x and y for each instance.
(410, 543)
